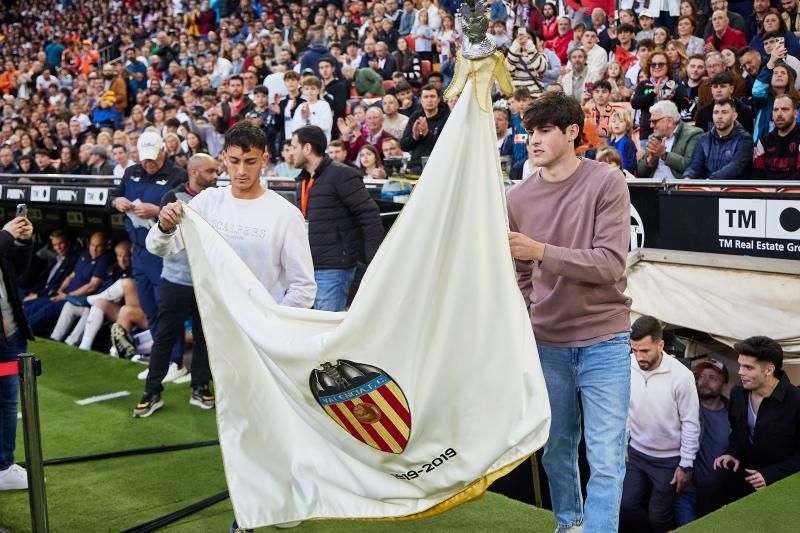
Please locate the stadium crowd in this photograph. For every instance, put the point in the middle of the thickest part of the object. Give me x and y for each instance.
(150, 92)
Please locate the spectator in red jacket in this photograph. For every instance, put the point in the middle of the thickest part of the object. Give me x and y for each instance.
(724, 35)
(560, 44)
(550, 21)
(585, 8)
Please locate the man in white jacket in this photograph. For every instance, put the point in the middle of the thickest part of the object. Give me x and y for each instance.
(663, 432)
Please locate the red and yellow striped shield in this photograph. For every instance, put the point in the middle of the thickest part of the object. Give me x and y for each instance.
(366, 402)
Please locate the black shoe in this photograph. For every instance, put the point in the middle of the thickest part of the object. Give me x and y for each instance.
(123, 341)
(148, 405)
(202, 397)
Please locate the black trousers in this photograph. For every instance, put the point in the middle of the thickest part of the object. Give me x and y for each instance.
(648, 499)
(721, 488)
(176, 304)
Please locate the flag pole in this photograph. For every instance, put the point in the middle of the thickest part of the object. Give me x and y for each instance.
(537, 481)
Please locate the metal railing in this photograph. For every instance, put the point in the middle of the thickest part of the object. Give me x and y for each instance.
(671, 184)
(49, 179)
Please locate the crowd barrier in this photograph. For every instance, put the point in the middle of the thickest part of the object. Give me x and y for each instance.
(738, 217)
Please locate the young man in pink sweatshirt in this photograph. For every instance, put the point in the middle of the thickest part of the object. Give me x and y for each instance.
(570, 227)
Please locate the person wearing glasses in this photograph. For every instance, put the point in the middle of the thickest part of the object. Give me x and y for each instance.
(670, 147)
(658, 86)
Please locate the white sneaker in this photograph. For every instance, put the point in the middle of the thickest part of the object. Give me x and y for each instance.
(186, 378)
(571, 529)
(288, 525)
(13, 478)
(174, 373)
(143, 374)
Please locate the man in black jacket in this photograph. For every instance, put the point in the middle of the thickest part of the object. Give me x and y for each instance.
(764, 444)
(344, 222)
(49, 280)
(424, 127)
(16, 250)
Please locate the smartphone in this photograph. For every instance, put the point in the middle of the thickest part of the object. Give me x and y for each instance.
(22, 210)
(588, 86)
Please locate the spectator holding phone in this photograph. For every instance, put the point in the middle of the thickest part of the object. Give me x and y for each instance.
(775, 79)
(16, 251)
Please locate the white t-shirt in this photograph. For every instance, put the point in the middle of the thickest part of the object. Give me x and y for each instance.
(268, 233)
(321, 116)
(119, 170)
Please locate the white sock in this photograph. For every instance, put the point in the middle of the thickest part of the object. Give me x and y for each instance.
(65, 319)
(94, 321)
(113, 294)
(75, 337)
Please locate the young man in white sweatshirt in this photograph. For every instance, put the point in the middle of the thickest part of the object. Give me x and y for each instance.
(265, 230)
(663, 432)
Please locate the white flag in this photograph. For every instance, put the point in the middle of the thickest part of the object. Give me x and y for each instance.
(426, 390)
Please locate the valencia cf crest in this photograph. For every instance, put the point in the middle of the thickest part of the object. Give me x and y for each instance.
(365, 401)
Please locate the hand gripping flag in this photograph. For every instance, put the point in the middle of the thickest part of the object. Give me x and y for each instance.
(413, 401)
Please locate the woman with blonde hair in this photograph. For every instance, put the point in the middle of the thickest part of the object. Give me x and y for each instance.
(678, 57)
(172, 144)
(138, 121)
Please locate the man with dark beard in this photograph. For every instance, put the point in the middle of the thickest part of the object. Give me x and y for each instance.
(711, 376)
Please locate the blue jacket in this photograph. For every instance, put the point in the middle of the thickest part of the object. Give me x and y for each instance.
(722, 158)
(762, 103)
(312, 56)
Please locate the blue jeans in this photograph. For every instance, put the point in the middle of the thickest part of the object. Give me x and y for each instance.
(9, 398)
(685, 508)
(333, 286)
(600, 377)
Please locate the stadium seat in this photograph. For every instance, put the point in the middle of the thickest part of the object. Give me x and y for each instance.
(387, 84)
(412, 43)
(426, 68)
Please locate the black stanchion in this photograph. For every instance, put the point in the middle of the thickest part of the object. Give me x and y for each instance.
(29, 369)
(160, 522)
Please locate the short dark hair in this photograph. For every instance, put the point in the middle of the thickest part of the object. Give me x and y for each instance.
(236, 77)
(763, 349)
(328, 60)
(744, 51)
(647, 326)
(59, 234)
(313, 136)
(260, 89)
(650, 44)
(429, 87)
(700, 57)
(723, 78)
(523, 92)
(556, 109)
(725, 101)
(435, 74)
(626, 28)
(402, 87)
(245, 135)
(601, 84)
(771, 35)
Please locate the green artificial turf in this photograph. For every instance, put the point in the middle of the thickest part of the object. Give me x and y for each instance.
(771, 510)
(116, 494)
